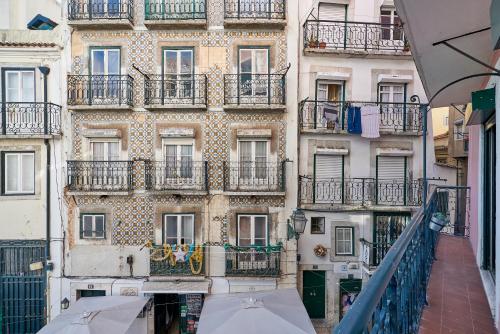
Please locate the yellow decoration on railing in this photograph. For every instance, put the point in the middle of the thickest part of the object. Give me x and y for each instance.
(198, 257)
(165, 253)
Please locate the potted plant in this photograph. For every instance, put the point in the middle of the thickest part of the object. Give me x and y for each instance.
(313, 42)
(322, 44)
(406, 46)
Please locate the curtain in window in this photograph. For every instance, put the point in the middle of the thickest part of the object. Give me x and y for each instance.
(245, 159)
(186, 161)
(261, 159)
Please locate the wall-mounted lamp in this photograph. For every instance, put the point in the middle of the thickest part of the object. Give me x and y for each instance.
(298, 224)
(64, 303)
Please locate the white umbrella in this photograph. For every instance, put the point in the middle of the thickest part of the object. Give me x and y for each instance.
(270, 312)
(96, 315)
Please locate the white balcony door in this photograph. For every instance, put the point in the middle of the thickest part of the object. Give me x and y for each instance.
(391, 23)
(104, 171)
(254, 70)
(253, 162)
(105, 150)
(178, 161)
(20, 88)
(329, 172)
(252, 231)
(105, 70)
(178, 70)
(391, 93)
(178, 229)
(332, 33)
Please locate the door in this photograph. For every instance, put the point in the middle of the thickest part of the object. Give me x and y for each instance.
(391, 188)
(178, 70)
(178, 161)
(313, 292)
(106, 170)
(254, 74)
(253, 164)
(20, 88)
(349, 290)
(328, 178)
(106, 8)
(105, 80)
(393, 114)
(332, 30)
(489, 228)
(387, 228)
(329, 105)
(252, 233)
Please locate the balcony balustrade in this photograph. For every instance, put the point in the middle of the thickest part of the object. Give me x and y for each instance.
(251, 261)
(100, 90)
(254, 89)
(30, 118)
(182, 176)
(357, 36)
(330, 116)
(174, 90)
(169, 10)
(90, 10)
(100, 176)
(255, 9)
(252, 176)
(163, 261)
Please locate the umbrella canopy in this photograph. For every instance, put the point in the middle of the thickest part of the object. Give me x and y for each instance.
(97, 315)
(270, 312)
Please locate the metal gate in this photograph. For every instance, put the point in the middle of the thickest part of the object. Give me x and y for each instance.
(22, 291)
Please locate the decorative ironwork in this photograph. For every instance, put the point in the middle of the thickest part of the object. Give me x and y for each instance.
(30, 118)
(255, 9)
(345, 35)
(100, 175)
(176, 260)
(253, 260)
(100, 90)
(454, 203)
(175, 9)
(252, 176)
(248, 89)
(360, 191)
(333, 116)
(189, 175)
(100, 10)
(175, 89)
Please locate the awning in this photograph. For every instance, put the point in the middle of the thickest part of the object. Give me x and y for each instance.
(271, 312)
(430, 21)
(175, 287)
(483, 106)
(109, 314)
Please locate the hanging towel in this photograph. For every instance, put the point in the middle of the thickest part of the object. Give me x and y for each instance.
(354, 120)
(370, 122)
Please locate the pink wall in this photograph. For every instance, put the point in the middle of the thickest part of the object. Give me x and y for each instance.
(472, 182)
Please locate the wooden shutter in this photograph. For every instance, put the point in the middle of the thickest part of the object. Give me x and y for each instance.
(332, 12)
(391, 168)
(329, 166)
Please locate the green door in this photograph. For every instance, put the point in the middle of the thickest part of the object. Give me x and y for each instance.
(313, 284)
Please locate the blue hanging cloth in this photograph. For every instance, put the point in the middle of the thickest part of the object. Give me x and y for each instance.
(354, 120)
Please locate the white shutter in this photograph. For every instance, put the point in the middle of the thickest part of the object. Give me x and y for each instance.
(332, 12)
(328, 167)
(391, 168)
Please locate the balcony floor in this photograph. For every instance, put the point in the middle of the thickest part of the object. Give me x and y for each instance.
(457, 301)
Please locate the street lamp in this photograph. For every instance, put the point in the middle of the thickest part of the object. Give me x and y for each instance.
(64, 303)
(298, 225)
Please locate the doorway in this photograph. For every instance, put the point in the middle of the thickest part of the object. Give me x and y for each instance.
(313, 285)
(489, 229)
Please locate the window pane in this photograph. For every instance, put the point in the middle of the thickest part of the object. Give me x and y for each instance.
(245, 151)
(187, 229)
(244, 228)
(186, 62)
(113, 62)
(98, 62)
(99, 226)
(260, 227)
(13, 87)
(12, 172)
(28, 87)
(261, 149)
(260, 62)
(113, 151)
(28, 170)
(246, 61)
(87, 226)
(97, 151)
(171, 62)
(318, 225)
(171, 228)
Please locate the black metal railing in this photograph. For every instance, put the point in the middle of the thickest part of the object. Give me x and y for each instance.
(100, 10)
(175, 9)
(253, 261)
(360, 191)
(30, 118)
(251, 176)
(162, 261)
(334, 116)
(248, 89)
(100, 175)
(345, 35)
(176, 89)
(255, 9)
(189, 175)
(100, 90)
(374, 253)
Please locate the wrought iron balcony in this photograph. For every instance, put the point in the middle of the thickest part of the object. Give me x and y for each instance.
(360, 191)
(100, 90)
(169, 10)
(255, 9)
(254, 89)
(100, 175)
(333, 116)
(163, 261)
(375, 252)
(358, 36)
(190, 175)
(175, 90)
(253, 261)
(89, 10)
(252, 176)
(30, 118)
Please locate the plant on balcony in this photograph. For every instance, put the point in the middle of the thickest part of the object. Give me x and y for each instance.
(312, 41)
(322, 45)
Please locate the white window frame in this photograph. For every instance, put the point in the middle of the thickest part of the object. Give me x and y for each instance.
(327, 83)
(391, 91)
(253, 165)
(20, 184)
(256, 86)
(179, 226)
(338, 241)
(252, 228)
(179, 61)
(458, 129)
(106, 141)
(93, 231)
(106, 57)
(178, 143)
(392, 16)
(19, 72)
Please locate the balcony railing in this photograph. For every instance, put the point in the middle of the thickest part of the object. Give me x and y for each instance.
(100, 10)
(333, 116)
(360, 191)
(251, 176)
(189, 175)
(175, 89)
(251, 89)
(175, 9)
(345, 35)
(100, 90)
(253, 261)
(30, 118)
(163, 261)
(100, 175)
(255, 9)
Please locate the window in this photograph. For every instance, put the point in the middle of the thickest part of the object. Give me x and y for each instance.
(329, 91)
(106, 8)
(19, 85)
(445, 120)
(90, 293)
(317, 225)
(392, 93)
(253, 158)
(344, 241)
(252, 230)
(178, 229)
(93, 226)
(329, 167)
(458, 130)
(105, 61)
(178, 69)
(253, 70)
(19, 172)
(105, 150)
(178, 160)
(391, 24)
(391, 168)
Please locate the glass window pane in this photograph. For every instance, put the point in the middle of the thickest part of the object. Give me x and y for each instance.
(260, 227)
(87, 226)
(261, 148)
(113, 151)
(113, 62)
(244, 228)
(99, 226)
(187, 229)
(12, 172)
(246, 61)
(13, 87)
(260, 62)
(98, 62)
(245, 151)
(98, 151)
(28, 87)
(28, 170)
(170, 62)
(186, 62)
(171, 228)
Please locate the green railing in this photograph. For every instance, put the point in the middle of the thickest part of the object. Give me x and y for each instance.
(175, 9)
(175, 260)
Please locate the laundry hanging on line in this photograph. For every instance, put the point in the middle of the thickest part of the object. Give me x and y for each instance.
(370, 122)
(354, 120)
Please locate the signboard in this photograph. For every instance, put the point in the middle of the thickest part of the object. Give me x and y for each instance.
(190, 312)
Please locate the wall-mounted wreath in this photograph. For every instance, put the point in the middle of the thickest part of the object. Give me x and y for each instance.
(320, 251)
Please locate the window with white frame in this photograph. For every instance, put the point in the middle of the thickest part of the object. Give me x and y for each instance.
(252, 230)
(253, 69)
(458, 130)
(178, 159)
(391, 93)
(19, 172)
(344, 240)
(329, 91)
(178, 229)
(19, 85)
(105, 61)
(105, 150)
(390, 24)
(93, 226)
(253, 158)
(178, 68)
